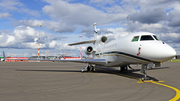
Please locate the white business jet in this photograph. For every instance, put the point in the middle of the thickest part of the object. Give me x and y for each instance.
(137, 48)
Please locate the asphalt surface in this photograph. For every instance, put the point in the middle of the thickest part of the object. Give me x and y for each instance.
(53, 81)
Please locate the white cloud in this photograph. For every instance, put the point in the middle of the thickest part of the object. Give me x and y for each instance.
(4, 15)
(174, 16)
(110, 33)
(10, 39)
(149, 15)
(79, 14)
(32, 23)
(15, 5)
(7, 40)
(25, 34)
(52, 44)
(55, 26)
(10, 4)
(27, 38)
(118, 32)
(22, 37)
(170, 37)
(116, 9)
(102, 2)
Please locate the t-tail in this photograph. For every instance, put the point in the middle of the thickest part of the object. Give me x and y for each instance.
(98, 40)
(89, 41)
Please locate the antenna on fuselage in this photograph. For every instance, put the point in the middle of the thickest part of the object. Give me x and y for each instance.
(128, 25)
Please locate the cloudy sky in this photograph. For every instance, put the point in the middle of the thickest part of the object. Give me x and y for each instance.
(63, 21)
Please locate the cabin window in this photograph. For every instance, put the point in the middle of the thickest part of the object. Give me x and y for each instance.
(146, 37)
(156, 37)
(135, 38)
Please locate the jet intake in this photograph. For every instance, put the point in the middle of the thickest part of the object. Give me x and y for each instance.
(104, 39)
(89, 50)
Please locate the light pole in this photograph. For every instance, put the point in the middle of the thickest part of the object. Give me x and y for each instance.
(80, 46)
(39, 42)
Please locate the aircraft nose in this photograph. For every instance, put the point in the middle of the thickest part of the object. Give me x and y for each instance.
(169, 52)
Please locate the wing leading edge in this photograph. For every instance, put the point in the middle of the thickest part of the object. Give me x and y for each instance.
(90, 61)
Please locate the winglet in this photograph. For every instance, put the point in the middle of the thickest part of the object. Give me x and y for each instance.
(4, 56)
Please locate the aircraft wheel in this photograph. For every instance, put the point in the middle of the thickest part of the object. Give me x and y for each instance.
(93, 69)
(122, 69)
(125, 68)
(88, 68)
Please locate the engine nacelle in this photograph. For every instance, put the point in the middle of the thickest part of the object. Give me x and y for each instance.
(104, 39)
(101, 40)
(89, 50)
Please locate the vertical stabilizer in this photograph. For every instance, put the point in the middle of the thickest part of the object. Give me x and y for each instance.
(95, 31)
(4, 56)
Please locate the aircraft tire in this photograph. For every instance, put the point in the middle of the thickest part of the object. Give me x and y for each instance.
(88, 69)
(93, 69)
(124, 68)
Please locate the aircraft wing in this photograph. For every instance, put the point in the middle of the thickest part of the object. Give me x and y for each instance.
(91, 61)
(83, 42)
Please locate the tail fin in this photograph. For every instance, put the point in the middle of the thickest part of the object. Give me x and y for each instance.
(95, 31)
(4, 56)
(89, 41)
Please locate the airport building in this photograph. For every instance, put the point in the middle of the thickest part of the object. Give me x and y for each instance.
(177, 56)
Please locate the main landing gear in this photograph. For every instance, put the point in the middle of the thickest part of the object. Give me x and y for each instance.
(89, 68)
(125, 68)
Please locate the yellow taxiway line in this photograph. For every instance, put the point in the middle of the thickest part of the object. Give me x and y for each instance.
(150, 81)
(177, 91)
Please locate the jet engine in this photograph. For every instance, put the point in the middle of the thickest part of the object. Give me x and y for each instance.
(89, 50)
(104, 39)
(101, 40)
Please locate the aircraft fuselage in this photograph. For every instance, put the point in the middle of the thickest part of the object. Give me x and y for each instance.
(125, 50)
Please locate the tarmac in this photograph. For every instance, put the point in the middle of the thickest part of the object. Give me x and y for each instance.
(64, 81)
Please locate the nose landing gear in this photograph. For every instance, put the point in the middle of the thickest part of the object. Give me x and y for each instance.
(144, 71)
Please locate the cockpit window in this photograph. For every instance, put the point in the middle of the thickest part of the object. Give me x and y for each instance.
(146, 37)
(156, 37)
(135, 38)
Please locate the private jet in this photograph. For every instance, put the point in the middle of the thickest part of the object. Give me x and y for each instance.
(137, 48)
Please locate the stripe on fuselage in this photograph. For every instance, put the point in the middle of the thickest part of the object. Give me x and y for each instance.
(116, 53)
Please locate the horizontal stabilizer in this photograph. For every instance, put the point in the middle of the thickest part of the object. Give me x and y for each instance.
(83, 42)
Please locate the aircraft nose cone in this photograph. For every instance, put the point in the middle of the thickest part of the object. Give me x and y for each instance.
(169, 53)
(172, 53)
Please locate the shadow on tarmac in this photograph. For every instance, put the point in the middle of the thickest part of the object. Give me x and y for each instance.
(49, 70)
(128, 74)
